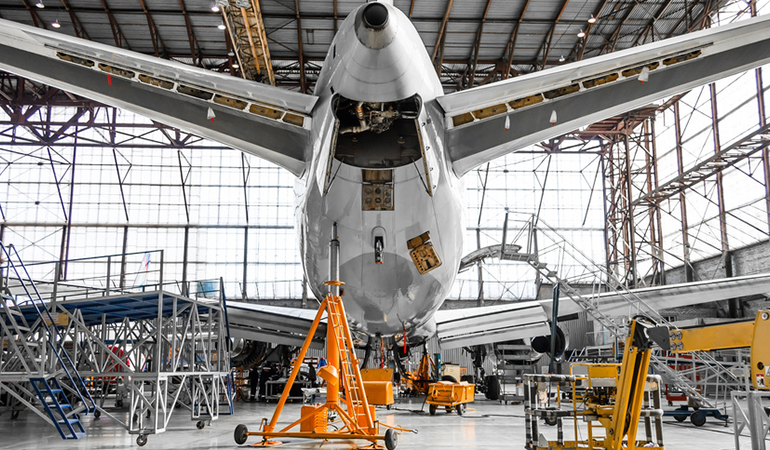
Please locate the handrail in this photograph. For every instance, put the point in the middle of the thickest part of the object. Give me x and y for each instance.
(53, 332)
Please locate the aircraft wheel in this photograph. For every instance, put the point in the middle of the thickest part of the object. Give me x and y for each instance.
(391, 439)
(240, 434)
(141, 440)
(200, 425)
(432, 410)
(698, 418)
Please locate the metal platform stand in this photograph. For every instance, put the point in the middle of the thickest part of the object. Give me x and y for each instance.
(342, 371)
(153, 350)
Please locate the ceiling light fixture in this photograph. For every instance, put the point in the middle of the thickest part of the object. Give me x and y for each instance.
(56, 24)
(561, 58)
(40, 4)
(215, 7)
(592, 19)
(235, 65)
(221, 26)
(581, 34)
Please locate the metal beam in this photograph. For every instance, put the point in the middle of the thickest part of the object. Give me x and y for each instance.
(512, 41)
(300, 49)
(157, 42)
(477, 44)
(194, 46)
(116, 33)
(438, 50)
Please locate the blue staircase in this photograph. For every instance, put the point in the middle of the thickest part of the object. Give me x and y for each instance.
(42, 385)
(58, 407)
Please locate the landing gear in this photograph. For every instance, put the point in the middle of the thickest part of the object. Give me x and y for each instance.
(240, 434)
(141, 440)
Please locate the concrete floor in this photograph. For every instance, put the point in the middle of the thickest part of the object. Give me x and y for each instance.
(486, 425)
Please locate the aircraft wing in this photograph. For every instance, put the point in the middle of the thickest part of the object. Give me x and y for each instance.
(489, 121)
(263, 120)
(476, 326)
(288, 326)
(671, 296)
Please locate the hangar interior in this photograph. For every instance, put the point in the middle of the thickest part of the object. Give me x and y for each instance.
(99, 202)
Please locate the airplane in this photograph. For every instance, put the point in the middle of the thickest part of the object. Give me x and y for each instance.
(379, 150)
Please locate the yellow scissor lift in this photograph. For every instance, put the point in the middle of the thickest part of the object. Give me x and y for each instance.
(354, 410)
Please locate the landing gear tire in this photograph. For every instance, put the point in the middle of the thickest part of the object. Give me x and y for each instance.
(461, 408)
(240, 434)
(680, 418)
(698, 418)
(141, 440)
(200, 425)
(432, 410)
(391, 439)
(493, 388)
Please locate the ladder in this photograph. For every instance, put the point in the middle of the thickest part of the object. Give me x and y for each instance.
(58, 407)
(35, 357)
(350, 374)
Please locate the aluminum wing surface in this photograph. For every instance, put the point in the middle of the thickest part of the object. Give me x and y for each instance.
(487, 122)
(475, 326)
(671, 296)
(263, 120)
(288, 326)
(488, 324)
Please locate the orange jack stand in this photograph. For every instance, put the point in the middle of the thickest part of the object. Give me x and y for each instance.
(354, 410)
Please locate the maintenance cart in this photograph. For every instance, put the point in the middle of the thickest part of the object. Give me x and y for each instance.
(450, 395)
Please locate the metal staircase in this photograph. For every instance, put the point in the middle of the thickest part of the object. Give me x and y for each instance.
(558, 248)
(36, 356)
(58, 407)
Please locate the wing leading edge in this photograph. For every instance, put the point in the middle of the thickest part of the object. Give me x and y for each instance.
(487, 122)
(263, 120)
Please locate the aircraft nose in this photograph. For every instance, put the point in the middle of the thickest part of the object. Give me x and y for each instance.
(375, 16)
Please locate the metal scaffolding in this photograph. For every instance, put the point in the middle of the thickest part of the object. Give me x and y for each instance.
(137, 342)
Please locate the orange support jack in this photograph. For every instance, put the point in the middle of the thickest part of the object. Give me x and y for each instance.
(353, 409)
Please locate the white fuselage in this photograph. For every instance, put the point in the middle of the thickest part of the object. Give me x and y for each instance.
(391, 297)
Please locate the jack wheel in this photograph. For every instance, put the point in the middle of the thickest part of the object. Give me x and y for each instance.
(461, 409)
(698, 418)
(200, 425)
(97, 414)
(391, 439)
(141, 440)
(240, 434)
(432, 410)
(680, 418)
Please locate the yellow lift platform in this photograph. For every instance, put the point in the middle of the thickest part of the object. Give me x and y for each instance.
(353, 409)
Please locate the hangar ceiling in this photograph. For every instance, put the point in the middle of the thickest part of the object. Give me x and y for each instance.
(472, 41)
